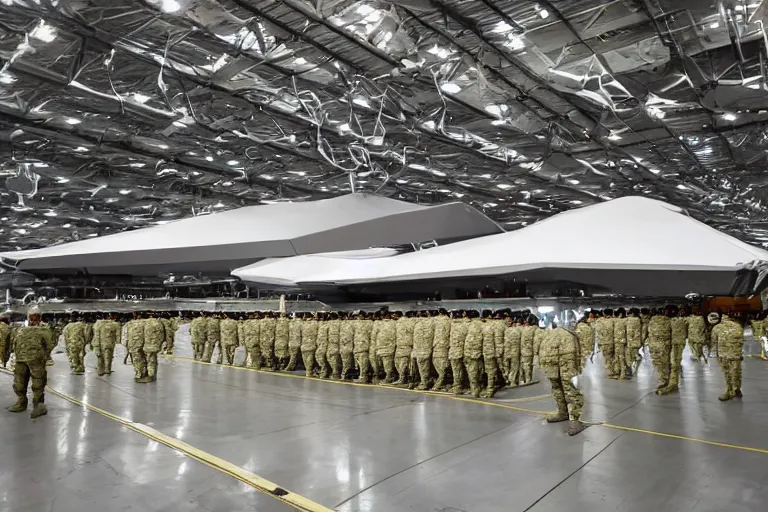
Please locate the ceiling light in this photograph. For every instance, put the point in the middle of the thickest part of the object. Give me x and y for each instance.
(544, 14)
(502, 27)
(714, 25)
(51, 214)
(232, 162)
(614, 136)
(504, 186)
(729, 117)
(364, 10)
(72, 120)
(300, 61)
(209, 158)
(514, 42)
(125, 192)
(450, 88)
(61, 179)
(6, 78)
(140, 98)
(169, 5)
(43, 32)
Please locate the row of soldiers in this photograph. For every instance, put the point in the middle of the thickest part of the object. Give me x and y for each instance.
(621, 336)
(425, 349)
(146, 335)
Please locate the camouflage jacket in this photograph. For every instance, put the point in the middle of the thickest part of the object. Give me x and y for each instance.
(385, 339)
(294, 333)
(441, 340)
(659, 330)
(198, 330)
(489, 340)
(620, 331)
(134, 335)
(229, 332)
(213, 330)
(604, 331)
(512, 336)
(154, 334)
(586, 338)
(74, 334)
(347, 336)
(697, 329)
(251, 333)
(32, 344)
(634, 332)
(526, 340)
(109, 333)
(473, 343)
(459, 328)
(679, 327)
(559, 347)
(423, 337)
(729, 337)
(309, 334)
(363, 333)
(404, 332)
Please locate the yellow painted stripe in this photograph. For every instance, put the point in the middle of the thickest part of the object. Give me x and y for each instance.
(684, 438)
(357, 384)
(262, 485)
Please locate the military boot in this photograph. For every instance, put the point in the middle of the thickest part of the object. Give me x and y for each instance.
(38, 409)
(557, 416)
(738, 394)
(575, 427)
(457, 390)
(143, 380)
(100, 371)
(49, 362)
(728, 395)
(19, 406)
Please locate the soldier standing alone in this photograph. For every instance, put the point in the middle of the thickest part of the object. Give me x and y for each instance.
(31, 346)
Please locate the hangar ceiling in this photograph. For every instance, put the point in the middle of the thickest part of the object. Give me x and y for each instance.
(120, 114)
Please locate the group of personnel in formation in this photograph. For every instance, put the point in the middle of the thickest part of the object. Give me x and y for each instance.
(457, 351)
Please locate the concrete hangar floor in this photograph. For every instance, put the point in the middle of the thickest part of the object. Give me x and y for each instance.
(213, 438)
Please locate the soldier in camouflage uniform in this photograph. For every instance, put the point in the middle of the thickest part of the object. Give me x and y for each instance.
(604, 331)
(198, 332)
(490, 360)
(527, 337)
(586, 335)
(645, 318)
(559, 358)
(385, 347)
(96, 345)
(251, 337)
(728, 334)
(473, 353)
(282, 335)
(362, 345)
(459, 328)
(620, 344)
(154, 336)
(58, 330)
(5, 340)
(423, 339)
(634, 340)
(165, 318)
(404, 327)
(212, 336)
(697, 336)
(321, 353)
(500, 320)
(88, 331)
(108, 332)
(294, 341)
(679, 328)
(31, 344)
(347, 345)
(512, 336)
(267, 341)
(229, 340)
(134, 340)
(309, 330)
(74, 336)
(440, 348)
(660, 346)
(333, 355)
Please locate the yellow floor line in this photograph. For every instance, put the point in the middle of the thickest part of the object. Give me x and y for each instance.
(262, 485)
(357, 384)
(684, 438)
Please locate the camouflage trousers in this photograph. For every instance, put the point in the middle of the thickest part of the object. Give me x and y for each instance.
(197, 349)
(491, 370)
(620, 361)
(208, 349)
(321, 356)
(104, 358)
(281, 349)
(293, 356)
(5, 354)
(526, 369)
(76, 354)
(268, 354)
(334, 361)
(423, 367)
(402, 365)
(475, 373)
(36, 371)
(512, 369)
(139, 361)
(633, 354)
(441, 367)
(347, 363)
(364, 364)
(732, 374)
(308, 356)
(457, 368)
(169, 343)
(567, 396)
(388, 364)
(660, 357)
(376, 365)
(697, 349)
(151, 358)
(252, 357)
(608, 360)
(229, 354)
(675, 363)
